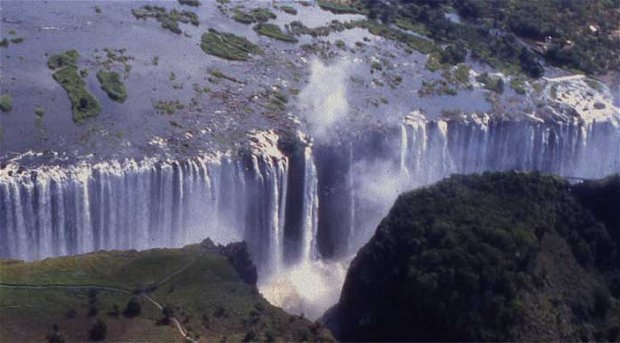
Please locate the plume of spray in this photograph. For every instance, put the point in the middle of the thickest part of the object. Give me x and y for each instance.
(323, 101)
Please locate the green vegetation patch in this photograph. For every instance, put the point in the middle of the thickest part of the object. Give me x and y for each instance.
(17, 40)
(274, 31)
(198, 286)
(492, 83)
(64, 59)
(83, 104)
(436, 88)
(518, 84)
(168, 107)
(6, 103)
(192, 3)
(289, 10)
(256, 15)
(420, 44)
(228, 46)
(342, 7)
(168, 20)
(112, 84)
(298, 28)
(4, 43)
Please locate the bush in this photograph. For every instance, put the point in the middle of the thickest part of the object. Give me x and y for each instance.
(98, 331)
(133, 307)
(453, 54)
(168, 312)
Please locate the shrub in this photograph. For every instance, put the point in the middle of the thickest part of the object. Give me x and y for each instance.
(98, 331)
(133, 307)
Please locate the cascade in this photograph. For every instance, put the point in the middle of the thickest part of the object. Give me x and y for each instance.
(317, 201)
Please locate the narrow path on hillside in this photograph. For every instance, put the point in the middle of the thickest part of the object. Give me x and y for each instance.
(159, 306)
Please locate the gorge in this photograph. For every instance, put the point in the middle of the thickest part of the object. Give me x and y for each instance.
(292, 128)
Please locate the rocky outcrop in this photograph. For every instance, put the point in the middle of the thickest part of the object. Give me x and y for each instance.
(239, 256)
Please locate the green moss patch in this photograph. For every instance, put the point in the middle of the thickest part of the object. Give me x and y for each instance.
(83, 104)
(112, 84)
(274, 31)
(169, 20)
(6, 103)
(228, 46)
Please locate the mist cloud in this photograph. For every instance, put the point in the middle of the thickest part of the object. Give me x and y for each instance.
(324, 100)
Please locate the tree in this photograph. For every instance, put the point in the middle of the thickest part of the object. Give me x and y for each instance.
(168, 312)
(133, 307)
(56, 335)
(98, 331)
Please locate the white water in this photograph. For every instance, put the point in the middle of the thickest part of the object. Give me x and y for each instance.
(52, 211)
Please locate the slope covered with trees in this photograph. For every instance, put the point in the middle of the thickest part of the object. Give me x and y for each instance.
(498, 256)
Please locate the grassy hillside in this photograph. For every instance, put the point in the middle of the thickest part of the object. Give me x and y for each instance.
(198, 286)
(492, 257)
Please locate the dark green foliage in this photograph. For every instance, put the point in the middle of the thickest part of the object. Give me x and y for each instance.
(112, 84)
(133, 308)
(256, 15)
(84, 105)
(98, 331)
(453, 54)
(575, 34)
(228, 46)
(450, 261)
(168, 20)
(274, 31)
(192, 3)
(63, 59)
(492, 83)
(6, 103)
(289, 10)
(4, 43)
(423, 45)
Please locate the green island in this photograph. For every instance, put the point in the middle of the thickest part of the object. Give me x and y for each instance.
(201, 292)
(112, 84)
(169, 20)
(288, 10)
(192, 3)
(274, 31)
(83, 104)
(6, 103)
(228, 46)
(256, 15)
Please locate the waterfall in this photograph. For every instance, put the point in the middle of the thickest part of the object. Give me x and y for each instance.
(310, 208)
(271, 199)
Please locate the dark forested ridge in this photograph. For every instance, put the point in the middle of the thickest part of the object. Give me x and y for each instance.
(498, 256)
(575, 34)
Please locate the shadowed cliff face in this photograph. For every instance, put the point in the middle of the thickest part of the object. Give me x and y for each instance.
(498, 256)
